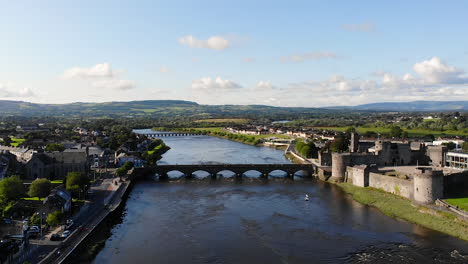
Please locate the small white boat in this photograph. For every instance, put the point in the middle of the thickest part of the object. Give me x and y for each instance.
(306, 198)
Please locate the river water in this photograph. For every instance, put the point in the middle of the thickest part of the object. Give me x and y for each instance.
(225, 221)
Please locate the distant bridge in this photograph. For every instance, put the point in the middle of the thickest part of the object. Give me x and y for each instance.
(169, 134)
(238, 169)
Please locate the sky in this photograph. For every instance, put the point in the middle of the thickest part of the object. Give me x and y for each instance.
(280, 53)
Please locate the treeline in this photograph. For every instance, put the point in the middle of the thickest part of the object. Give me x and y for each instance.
(247, 139)
(307, 150)
(155, 151)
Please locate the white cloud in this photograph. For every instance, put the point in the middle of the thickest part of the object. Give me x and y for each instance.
(435, 71)
(103, 70)
(214, 84)
(9, 90)
(100, 76)
(214, 42)
(363, 27)
(265, 85)
(114, 84)
(164, 69)
(310, 56)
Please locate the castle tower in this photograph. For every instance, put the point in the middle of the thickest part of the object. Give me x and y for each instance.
(428, 185)
(339, 163)
(354, 142)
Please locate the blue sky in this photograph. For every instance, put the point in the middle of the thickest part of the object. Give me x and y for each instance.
(287, 53)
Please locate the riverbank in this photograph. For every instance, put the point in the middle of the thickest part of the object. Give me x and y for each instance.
(220, 132)
(401, 208)
(95, 241)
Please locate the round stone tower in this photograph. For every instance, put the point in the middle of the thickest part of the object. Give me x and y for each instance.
(428, 185)
(339, 163)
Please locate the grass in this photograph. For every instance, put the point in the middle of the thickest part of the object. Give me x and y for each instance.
(417, 132)
(224, 120)
(33, 199)
(398, 207)
(460, 202)
(57, 182)
(15, 142)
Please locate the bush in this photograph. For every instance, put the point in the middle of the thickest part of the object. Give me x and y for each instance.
(40, 188)
(55, 218)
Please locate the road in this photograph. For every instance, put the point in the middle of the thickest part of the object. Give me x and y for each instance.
(95, 206)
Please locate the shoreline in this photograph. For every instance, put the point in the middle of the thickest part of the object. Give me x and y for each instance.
(401, 208)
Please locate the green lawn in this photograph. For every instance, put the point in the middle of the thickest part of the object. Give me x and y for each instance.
(398, 207)
(57, 182)
(460, 202)
(33, 199)
(15, 142)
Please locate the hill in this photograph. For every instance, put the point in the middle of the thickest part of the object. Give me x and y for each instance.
(415, 106)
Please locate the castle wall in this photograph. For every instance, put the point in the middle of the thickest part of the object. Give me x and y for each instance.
(359, 175)
(391, 184)
(436, 155)
(456, 184)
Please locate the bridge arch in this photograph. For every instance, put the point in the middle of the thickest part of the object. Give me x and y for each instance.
(230, 173)
(201, 173)
(256, 173)
(273, 173)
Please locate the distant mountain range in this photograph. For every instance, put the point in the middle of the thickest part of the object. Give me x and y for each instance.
(423, 106)
(185, 108)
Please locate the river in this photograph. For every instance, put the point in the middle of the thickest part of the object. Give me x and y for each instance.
(224, 221)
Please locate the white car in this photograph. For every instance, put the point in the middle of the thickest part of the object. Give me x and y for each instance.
(65, 233)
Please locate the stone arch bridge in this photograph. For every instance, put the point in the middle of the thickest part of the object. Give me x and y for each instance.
(237, 169)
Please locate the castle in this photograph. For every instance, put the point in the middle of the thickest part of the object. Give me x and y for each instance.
(412, 170)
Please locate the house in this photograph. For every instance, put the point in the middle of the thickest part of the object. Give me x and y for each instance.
(124, 157)
(59, 200)
(56, 165)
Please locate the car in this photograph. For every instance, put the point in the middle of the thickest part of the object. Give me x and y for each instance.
(34, 228)
(7, 221)
(54, 237)
(65, 233)
(25, 221)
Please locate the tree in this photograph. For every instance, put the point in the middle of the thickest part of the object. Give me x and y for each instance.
(54, 218)
(395, 131)
(7, 141)
(465, 146)
(340, 144)
(11, 189)
(55, 147)
(76, 181)
(40, 188)
(450, 145)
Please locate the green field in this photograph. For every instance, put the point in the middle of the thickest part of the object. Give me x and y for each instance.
(15, 142)
(460, 202)
(221, 129)
(412, 132)
(398, 207)
(223, 120)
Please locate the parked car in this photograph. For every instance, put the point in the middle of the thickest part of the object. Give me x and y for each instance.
(7, 221)
(25, 221)
(66, 233)
(54, 237)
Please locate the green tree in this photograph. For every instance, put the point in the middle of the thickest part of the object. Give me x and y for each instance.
(340, 144)
(40, 188)
(450, 145)
(396, 131)
(11, 189)
(465, 146)
(55, 147)
(76, 181)
(54, 218)
(7, 141)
